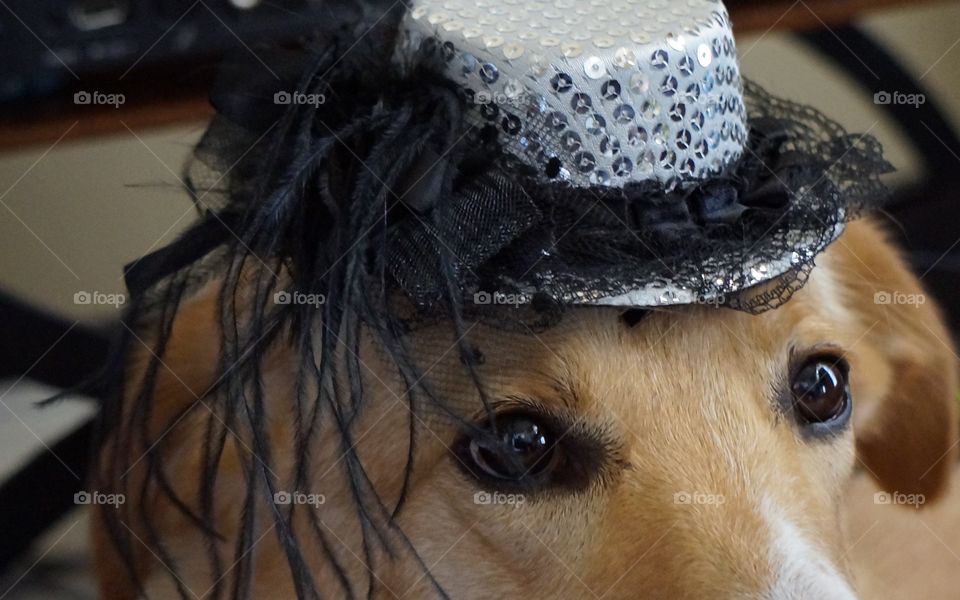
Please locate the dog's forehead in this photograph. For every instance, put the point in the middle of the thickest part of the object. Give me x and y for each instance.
(593, 353)
(595, 356)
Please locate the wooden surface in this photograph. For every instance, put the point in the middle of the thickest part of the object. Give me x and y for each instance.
(51, 121)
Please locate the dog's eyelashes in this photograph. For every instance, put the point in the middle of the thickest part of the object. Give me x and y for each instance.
(821, 394)
(521, 448)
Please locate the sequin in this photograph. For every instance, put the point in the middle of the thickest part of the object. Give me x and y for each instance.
(660, 59)
(511, 125)
(493, 41)
(637, 136)
(624, 114)
(557, 121)
(449, 51)
(622, 166)
(600, 177)
(610, 90)
(512, 51)
(677, 112)
(704, 55)
(571, 50)
(669, 86)
(594, 68)
(701, 150)
(561, 82)
(468, 64)
(667, 159)
(595, 124)
(659, 134)
(609, 145)
(513, 89)
(639, 83)
(489, 73)
(539, 65)
(646, 163)
(581, 103)
(676, 41)
(650, 110)
(603, 42)
(585, 161)
(570, 141)
(488, 110)
(624, 58)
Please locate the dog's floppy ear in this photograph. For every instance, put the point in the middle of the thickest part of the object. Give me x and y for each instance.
(904, 367)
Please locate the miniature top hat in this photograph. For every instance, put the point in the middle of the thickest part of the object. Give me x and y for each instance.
(611, 92)
(554, 152)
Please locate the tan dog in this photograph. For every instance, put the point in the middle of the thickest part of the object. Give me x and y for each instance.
(688, 455)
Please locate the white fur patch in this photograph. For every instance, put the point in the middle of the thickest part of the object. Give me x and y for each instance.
(802, 572)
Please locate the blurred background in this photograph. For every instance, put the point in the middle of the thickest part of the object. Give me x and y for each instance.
(101, 102)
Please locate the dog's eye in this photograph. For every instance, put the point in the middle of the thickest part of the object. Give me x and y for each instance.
(521, 448)
(525, 449)
(820, 391)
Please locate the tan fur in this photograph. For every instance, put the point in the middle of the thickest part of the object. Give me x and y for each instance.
(689, 398)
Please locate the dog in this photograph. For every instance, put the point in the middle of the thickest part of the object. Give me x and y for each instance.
(688, 452)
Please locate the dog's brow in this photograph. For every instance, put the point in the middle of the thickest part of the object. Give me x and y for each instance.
(565, 390)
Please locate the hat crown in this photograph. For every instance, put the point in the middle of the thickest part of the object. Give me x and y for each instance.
(595, 93)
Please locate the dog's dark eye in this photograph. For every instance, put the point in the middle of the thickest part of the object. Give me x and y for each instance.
(527, 450)
(522, 447)
(820, 391)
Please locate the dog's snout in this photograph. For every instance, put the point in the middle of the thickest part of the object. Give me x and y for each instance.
(801, 568)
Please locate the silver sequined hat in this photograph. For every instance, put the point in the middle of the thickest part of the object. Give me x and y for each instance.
(555, 153)
(612, 93)
(615, 90)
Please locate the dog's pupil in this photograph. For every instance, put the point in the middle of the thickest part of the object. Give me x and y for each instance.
(523, 449)
(819, 391)
(526, 437)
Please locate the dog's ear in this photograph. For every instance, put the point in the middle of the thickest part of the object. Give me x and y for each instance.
(904, 367)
